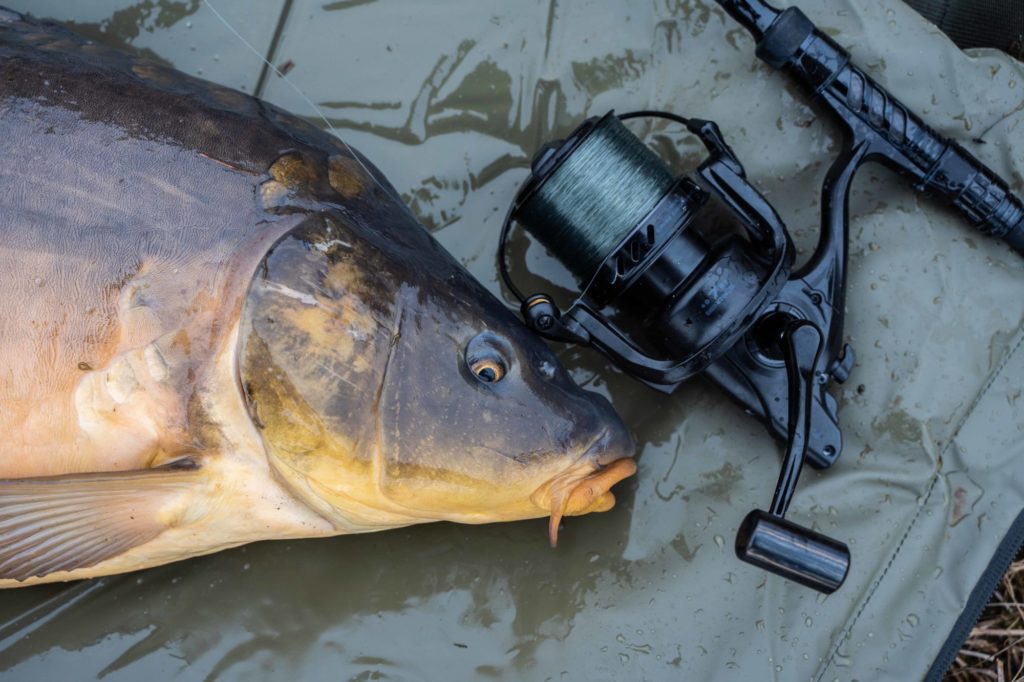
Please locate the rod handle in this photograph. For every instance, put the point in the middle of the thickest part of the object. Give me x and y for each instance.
(939, 167)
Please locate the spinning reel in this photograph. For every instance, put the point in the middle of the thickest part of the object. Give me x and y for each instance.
(731, 306)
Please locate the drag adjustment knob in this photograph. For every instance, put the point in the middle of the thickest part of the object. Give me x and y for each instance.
(765, 538)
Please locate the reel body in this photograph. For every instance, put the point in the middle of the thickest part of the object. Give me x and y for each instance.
(727, 307)
(698, 300)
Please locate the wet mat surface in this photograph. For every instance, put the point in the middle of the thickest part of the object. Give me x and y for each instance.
(450, 100)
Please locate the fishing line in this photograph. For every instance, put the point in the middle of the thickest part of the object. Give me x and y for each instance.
(298, 91)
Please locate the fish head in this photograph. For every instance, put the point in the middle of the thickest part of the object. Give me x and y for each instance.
(480, 421)
(390, 387)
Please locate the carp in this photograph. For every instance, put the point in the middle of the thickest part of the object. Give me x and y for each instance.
(220, 324)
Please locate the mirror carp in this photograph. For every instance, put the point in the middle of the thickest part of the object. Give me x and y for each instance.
(220, 324)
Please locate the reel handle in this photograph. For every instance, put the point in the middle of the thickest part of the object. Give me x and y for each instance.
(766, 539)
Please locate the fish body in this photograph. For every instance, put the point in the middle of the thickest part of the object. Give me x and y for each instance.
(221, 324)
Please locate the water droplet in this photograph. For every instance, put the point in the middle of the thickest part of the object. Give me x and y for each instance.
(842, 660)
(620, 639)
(778, 668)
(624, 658)
(188, 24)
(808, 621)
(720, 541)
(913, 620)
(38, 281)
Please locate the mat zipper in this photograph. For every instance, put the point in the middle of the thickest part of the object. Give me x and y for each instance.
(1004, 555)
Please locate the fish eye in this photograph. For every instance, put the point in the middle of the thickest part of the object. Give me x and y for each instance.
(486, 358)
(487, 370)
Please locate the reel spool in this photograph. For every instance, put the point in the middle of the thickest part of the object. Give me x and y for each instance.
(612, 212)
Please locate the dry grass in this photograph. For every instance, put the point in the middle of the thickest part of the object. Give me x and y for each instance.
(995, 648)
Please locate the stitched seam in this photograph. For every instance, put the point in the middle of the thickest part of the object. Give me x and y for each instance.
(847, 631)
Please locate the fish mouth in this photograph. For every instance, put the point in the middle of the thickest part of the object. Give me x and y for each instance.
(584, 488)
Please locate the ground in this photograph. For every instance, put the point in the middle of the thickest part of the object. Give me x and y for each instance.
(995, 648)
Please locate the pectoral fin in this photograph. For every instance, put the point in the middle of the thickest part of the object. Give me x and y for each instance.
(63, 523)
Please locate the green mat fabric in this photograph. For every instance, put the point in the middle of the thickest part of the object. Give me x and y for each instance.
(450, 100)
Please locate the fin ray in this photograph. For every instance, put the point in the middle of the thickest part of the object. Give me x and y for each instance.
(64, 523)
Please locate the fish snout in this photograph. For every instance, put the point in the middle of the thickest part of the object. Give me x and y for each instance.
(586, 486)
(613, 440)
(613, 444)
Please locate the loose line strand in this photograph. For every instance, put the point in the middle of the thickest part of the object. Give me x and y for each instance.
(297, 89)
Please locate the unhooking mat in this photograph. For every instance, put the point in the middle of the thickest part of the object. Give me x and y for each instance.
(450, 100)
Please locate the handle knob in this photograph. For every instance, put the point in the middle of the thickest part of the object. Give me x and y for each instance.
(793, 552)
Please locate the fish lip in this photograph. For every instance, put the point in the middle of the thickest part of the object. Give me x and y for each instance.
(576, 492)
(584, 466)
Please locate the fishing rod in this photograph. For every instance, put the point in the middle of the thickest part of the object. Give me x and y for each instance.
(694, 274)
